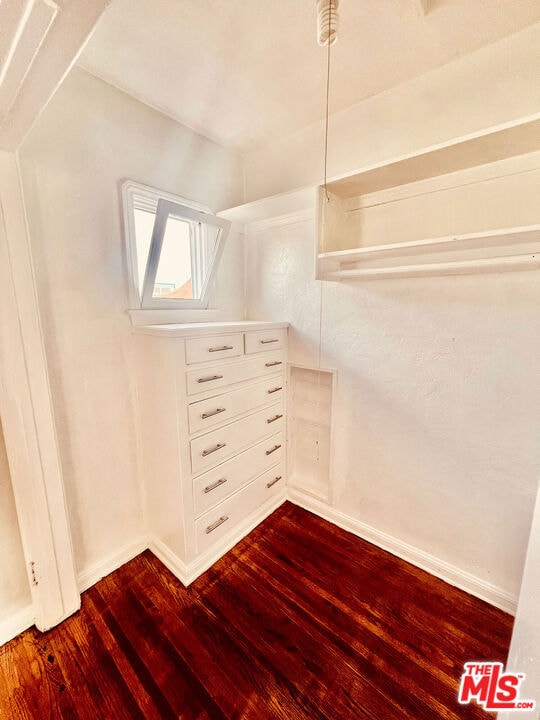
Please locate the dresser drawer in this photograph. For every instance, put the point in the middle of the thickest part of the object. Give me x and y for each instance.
(218, 376)
(225, 517)
(218, 410)
(271, 483)
(265, 340)
(214, 447)
(217, 484)
(214, 347)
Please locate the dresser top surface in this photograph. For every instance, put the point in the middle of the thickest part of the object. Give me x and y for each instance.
(212, 328)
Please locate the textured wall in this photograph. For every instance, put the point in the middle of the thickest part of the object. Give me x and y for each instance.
(438, 389)
(437, 403)
(90, 138)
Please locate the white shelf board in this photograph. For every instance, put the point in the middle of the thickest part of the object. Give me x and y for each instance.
(456, 267)
(496, 143)
(489, 239)
(274, 206)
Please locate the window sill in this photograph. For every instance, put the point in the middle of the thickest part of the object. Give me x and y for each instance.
(172, 315)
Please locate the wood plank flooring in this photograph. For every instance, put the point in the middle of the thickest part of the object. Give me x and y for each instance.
(300, 621)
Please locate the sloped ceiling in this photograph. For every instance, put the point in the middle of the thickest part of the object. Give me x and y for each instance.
(245, 71)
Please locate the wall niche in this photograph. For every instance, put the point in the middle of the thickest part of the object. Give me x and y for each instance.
(311, 392)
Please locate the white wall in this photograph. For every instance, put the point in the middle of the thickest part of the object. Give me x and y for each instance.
(14, 590)
(494, 85)
(438, 388)
(90, 138)
(437, 398)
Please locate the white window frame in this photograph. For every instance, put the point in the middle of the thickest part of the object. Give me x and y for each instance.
(199, 217)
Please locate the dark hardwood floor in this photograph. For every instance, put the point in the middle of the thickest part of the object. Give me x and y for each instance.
(299, 621)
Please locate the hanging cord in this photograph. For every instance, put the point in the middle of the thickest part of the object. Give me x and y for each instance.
(327, 109)
(319, 371)
(326, 125)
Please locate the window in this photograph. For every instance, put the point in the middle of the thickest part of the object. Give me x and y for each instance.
(173, 247)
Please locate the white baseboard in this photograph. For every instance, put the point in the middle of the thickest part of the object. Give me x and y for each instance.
(16, 623)
(171, 561)
(425, 561)
(112, 562)
(187, 573)
(22, 619)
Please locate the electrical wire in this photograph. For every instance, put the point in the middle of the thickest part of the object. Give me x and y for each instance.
(327, 107)
(327, 198)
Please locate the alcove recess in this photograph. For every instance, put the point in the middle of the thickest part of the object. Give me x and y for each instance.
(309, 411)
(469, 206)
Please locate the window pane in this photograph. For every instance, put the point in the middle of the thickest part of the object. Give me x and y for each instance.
(186, 256)
(144, 224)
(174, 272)
(173, 247)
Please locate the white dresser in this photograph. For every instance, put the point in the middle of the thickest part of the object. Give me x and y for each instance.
(211, 405)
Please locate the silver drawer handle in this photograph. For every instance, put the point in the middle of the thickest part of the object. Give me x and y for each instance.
(276, 447)
(273, 419)
(215, 485)
(216, 524)
(212, 413)
(219, 349)
(265, 342)
(273, 482)
(271, 364)
(276, 389)
(207, 379)
(219, 446)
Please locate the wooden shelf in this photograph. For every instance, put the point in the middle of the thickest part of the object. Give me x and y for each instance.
(458, 267)
(491, 251)
(496, 143)
(473, 198)
(486, 183)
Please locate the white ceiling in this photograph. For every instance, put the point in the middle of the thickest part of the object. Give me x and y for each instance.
(245, 71)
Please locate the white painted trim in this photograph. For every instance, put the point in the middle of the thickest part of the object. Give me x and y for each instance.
(425, 561)
(268, 208)
(16, 623)
(187, 573)
(29, 36)
(510, 263)
(518, 137)
(471, 176)
(110, 563)
(280, 221)
(171, 561)
(55, 56)
(523, 656)
(28, 417)
(466, 241)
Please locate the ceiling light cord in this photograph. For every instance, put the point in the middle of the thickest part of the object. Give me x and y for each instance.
(327, 23)
(327, 118)
(327, 26)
